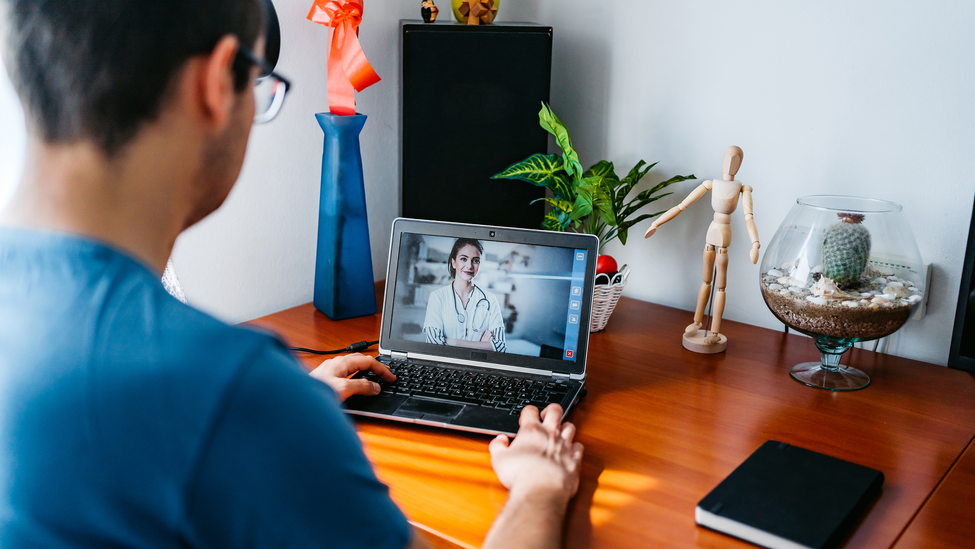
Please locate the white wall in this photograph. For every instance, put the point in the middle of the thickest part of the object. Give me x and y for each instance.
(872, 99)
(869, 98)
(13, 138)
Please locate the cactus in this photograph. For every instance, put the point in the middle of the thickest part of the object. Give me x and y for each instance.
(846, 248)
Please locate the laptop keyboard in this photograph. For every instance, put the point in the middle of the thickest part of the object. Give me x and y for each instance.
(491, 390)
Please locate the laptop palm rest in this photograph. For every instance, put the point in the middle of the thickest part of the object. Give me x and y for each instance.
(431, 410)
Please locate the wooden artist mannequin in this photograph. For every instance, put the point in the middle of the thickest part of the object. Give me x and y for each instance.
(724, 200)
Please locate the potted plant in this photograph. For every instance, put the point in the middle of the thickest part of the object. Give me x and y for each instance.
(595, 201)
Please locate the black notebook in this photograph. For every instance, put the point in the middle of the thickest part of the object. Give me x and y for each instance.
(788, 497)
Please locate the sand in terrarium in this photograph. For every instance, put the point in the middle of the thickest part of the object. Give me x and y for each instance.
(875, 307)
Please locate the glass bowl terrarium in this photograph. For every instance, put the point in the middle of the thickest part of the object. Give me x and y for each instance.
(842, 269)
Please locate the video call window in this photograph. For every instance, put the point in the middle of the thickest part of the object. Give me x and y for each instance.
(488, 295)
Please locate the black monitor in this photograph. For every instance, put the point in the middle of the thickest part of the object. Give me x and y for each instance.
(962, 355)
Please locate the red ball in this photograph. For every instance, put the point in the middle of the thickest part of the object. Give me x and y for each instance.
(605, 264)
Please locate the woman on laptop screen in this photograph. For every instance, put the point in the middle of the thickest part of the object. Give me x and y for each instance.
(464, 314)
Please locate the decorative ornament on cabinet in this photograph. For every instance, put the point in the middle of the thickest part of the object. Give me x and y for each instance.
(429, 11)
(475, 12)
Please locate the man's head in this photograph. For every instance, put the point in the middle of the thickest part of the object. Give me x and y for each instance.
(99, 71)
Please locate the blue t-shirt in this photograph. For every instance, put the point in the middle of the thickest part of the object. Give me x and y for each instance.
(128, 419)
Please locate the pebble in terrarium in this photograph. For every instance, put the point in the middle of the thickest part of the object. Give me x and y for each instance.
(845, 296)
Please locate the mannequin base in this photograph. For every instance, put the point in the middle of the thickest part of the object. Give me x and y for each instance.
(695, 342)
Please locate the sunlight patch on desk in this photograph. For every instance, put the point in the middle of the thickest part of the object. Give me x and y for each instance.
(396, 454)
(615, 490)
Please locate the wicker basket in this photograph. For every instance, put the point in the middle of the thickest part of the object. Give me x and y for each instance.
(605, 297)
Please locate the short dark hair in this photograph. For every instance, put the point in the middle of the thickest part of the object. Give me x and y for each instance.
(458, 244)
(100, 70)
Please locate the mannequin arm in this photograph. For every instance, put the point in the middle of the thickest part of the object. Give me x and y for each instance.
(746, 199)
(676, 210)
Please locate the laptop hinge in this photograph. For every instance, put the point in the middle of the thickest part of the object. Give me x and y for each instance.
(566, 376)
(396, 355)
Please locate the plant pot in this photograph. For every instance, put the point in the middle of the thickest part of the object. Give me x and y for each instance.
(605, 297)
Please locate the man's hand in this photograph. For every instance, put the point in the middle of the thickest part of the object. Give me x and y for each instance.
(336, 371)
(542, 459)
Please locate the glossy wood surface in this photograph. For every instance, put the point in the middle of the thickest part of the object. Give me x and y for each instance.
(662, 426)
(947, 520)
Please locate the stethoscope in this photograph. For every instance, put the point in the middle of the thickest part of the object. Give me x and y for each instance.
(461, 317)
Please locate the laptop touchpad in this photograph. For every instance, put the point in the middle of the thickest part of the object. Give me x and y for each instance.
(428, 409)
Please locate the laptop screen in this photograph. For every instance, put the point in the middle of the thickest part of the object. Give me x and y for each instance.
(511, 298)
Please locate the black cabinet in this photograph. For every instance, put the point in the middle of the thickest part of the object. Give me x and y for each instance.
(470, 101)
(962, 353)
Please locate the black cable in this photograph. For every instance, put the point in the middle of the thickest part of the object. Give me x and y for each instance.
(354, 348)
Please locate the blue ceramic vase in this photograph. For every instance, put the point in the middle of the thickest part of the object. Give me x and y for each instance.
(344, 285)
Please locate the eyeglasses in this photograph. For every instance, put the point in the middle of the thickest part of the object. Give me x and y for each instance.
(269, 89)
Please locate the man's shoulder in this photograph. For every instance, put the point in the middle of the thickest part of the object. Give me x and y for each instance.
(108, 312)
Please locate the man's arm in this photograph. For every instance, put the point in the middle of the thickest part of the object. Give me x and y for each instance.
(540, 468)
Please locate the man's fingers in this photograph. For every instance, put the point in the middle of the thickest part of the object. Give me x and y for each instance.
(381, 370)
(529, 415)
(552, 417)
(568, 432)
(349, 387)
(347, 365)
(499, 442)
(577, 450)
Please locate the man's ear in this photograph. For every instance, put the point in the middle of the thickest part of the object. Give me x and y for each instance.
(215, 82)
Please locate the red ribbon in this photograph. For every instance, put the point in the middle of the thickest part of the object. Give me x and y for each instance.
(348, 67)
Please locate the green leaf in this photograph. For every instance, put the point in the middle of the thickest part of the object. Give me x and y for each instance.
(621, 233)
(599, 197)
(552, 222)
(582, 206)
(632, 222)
(646, 197)
(551, 123)
(537, 169)
(558, 205)
(602, 169)
(562, 187)
(635, 175)
(638, 204)
(663, 184)
(628, 182)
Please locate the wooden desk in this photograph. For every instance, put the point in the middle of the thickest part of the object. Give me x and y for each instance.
(662, 426)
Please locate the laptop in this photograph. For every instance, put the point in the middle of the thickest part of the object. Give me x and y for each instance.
(479, 322)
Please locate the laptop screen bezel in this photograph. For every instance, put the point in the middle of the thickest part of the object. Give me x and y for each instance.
(575, 241)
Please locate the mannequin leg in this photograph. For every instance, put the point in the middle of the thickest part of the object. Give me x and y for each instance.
(705, 291)
(719, 295)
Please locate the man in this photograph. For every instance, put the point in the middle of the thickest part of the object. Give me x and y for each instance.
(128, 419)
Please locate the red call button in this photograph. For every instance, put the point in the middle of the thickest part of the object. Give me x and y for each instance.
(568, 353)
